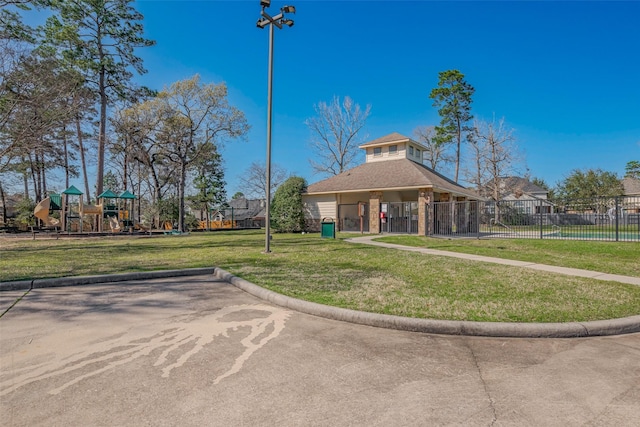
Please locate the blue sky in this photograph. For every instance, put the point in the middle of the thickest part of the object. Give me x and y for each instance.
(564, 75)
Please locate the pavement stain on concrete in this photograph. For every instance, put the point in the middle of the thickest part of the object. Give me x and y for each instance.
(179, 341)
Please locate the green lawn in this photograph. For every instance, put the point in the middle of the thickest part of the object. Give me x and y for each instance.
(607, 257)
(347, 275)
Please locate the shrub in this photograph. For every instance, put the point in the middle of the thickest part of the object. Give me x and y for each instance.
(287, 212)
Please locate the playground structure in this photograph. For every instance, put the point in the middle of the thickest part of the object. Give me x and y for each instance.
(45, 208)
(112, 211)
(217, 224)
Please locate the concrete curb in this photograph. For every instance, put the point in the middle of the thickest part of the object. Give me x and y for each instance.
(109, 278)
(625, 325)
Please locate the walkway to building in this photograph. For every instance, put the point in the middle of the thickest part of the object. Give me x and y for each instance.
(369, 240)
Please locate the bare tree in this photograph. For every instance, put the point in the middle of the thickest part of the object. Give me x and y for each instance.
(476, 172)
(436, 153)
(335, 130)
(500, 156)
(253, 181)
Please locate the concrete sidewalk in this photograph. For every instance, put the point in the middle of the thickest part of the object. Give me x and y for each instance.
(369, 240)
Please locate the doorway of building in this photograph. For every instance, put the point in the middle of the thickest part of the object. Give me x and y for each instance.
(399, 217)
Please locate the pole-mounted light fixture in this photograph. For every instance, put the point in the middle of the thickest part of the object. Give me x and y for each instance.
(278, 21)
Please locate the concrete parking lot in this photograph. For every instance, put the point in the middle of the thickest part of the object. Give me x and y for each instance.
(198, 351)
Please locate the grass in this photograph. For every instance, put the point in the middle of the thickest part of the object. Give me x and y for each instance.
(607, 257)
(345, 275)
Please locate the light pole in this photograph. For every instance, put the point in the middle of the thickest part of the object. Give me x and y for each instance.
(279, 20)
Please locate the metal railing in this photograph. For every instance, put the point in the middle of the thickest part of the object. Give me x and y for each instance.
(607, 219)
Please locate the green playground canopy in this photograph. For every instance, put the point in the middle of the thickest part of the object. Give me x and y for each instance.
(108, 194)
(126, 195)
(72, 191)
(56, 201)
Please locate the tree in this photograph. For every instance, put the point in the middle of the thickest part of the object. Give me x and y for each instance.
(287, 209)
(335, 131)
(632, 169)
(253, 180)
(15, 35)
(136, 130)
(540, 182)
(237, 195)
(112, 182)
(35, 103)
(588, 186)
(497, 155)
(436, 153)
(209, 183)
(191, 121)
(99, 37)
(453, 100)
(543, 184)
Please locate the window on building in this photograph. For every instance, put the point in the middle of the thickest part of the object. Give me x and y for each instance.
(377, 151)
(418, 155)
(393, 149)
(411, 150)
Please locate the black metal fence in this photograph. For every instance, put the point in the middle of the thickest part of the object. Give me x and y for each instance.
(611, 219)
(401, 217)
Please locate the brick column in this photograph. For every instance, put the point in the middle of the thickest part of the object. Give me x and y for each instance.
(425, 225)
(374, 211)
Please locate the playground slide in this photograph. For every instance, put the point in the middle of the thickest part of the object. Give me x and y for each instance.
(42, 212)
(142, 227)
(114, 224)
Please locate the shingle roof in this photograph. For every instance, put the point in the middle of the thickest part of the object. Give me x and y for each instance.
(392, 137)
(514, 183)
(386, 175)
(245, 209)
(631, 186)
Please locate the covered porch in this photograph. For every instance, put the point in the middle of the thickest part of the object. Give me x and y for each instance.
(416, 211)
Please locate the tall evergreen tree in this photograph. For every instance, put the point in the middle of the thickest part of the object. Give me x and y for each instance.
(100, 37)
(453, 100)
(209, 183)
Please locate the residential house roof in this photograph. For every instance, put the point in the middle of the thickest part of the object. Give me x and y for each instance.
(514, 183)
(245, 209)
(514, 187)
(631, 186)
(398, 174)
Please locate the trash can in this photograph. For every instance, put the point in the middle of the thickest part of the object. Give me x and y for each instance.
(328, 228)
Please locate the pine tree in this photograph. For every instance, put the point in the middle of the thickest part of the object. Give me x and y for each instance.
(100, 37)
(452, 97)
